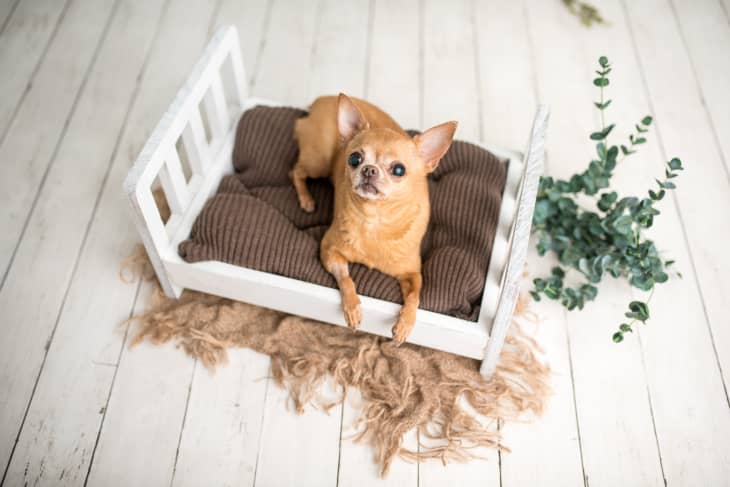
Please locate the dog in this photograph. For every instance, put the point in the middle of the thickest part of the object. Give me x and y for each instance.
(381, 203)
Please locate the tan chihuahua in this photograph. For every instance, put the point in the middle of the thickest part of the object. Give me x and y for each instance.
(381, 194)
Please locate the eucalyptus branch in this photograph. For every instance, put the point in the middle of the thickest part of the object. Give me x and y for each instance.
(609, 239)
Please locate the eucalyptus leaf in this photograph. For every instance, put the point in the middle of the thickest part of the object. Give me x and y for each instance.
(608, 240)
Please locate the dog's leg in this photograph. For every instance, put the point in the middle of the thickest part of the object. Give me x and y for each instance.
(336, 265)
(298, 176)
(410, 286)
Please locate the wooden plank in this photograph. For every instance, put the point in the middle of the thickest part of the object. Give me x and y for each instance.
(286, 57)
(220, 438)
(156, 400)
(7, 7)
(705, 29)
(37, 281)
(451, 92)
(617, 390)
(392, 82)
(23, 44)
(251, 19)
(681, 362)
(545, 451)
(313, 438)
(44, 109)
(394, 78)
(357, 460)
(149, 399)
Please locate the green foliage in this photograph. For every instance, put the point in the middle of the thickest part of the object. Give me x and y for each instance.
(608, 240)
(587, 13)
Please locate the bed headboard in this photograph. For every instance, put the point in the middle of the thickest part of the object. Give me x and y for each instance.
(189, 138)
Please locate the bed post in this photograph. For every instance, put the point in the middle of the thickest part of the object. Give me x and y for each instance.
(519, 241)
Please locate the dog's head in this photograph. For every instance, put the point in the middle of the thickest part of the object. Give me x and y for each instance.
(384, 164)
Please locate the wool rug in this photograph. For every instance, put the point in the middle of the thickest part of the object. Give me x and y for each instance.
(442, 396)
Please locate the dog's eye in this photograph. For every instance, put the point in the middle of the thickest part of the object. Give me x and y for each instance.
(354, 159)
(398, 169)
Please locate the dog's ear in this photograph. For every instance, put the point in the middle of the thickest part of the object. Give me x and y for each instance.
(350, 119)
(434, 142)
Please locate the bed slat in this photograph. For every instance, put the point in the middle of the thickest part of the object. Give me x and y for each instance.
(196, 144)
(174, 184)
(215, 107)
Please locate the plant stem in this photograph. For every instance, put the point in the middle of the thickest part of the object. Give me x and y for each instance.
(603, 121)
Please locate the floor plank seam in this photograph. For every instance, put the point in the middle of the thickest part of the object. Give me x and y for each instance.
(266, 24)
(675, 200)
(575, 401)
(342, 427)
(122, 348)
(651, 407)
(533, 61)
(73, 271)
(10, 15)
(724, 9)
(477, 68)
(39, 63)
(213, 17)
(182, 424)
(368, 48)
(700, 91)
(421, 62)
(263, 425)
(57, 146)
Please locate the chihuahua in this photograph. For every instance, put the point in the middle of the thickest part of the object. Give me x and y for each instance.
(381, 210)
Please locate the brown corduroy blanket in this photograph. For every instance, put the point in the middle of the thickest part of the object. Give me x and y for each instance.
(254, 220)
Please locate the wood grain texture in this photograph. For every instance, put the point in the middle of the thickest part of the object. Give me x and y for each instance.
(6, 10)
(546, 452)
(451, 92)
(40, 115)
(23, 44)
(146, 410)
(230, 402)
(222, 430)
(82, 357)
(165, 415)
(308, 445)
(392, 81)
(50, 247)
(295, 27)
(617, 390)
(681, 359)
(703, 26)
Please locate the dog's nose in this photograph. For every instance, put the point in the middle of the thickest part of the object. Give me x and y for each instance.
(369, 171)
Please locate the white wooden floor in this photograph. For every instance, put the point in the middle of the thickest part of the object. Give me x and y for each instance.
(83, 83)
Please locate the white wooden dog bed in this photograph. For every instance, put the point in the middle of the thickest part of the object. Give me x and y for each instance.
(206, 137)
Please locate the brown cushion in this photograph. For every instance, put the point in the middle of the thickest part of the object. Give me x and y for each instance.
(254, 220)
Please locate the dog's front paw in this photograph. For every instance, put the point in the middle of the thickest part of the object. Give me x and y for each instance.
(353, 312)
(401, 330)
(306, 203)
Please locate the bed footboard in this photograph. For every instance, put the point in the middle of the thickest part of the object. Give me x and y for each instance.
(519, 240)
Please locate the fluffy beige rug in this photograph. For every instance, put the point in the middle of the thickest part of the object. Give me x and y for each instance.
(442, 395)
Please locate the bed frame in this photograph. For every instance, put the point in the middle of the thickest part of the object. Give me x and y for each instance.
(190, 151)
